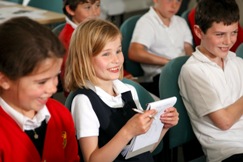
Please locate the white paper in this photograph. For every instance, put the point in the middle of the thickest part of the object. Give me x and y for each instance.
(145, 142)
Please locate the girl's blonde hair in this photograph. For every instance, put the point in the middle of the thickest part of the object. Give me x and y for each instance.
(87, 41)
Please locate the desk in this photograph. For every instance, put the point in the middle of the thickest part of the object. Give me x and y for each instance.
(9, 10)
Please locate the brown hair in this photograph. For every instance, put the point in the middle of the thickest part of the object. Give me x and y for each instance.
(210, 11)
(24, 44)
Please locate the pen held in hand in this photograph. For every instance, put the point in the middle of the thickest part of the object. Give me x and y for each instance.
(141, 112)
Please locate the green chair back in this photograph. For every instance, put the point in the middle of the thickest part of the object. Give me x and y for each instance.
(239, 50)
(51, 5)
(168, 87)
(56, 30)
(182, 133)
(126, 29)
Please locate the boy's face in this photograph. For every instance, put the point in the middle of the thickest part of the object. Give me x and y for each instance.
(167, 8)
(218, 39)
(84, 11)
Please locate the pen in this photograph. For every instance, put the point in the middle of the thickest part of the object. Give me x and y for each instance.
(141, 112)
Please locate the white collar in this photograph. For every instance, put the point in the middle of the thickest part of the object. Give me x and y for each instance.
(70, 22)
(24, 122)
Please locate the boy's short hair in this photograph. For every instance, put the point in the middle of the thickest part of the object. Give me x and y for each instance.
(73, 5)
(210, 11)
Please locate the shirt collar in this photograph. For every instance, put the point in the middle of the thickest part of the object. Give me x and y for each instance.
(118, 85)
(71, 23)
(24, 122)
(201, 57)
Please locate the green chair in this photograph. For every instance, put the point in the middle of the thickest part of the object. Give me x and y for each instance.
(126, 29)
(56, 30)
(181, 134)
(51, 5)
(16, 1)
(185, 14)
(239, 50)
(144, 98)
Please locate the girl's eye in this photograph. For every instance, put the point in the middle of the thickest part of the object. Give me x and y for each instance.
(105, 54)
(42, 82)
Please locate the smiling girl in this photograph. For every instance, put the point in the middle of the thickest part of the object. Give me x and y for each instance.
(33, 127)
(102, 104)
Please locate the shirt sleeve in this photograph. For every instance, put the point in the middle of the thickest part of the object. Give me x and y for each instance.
(187, 33)
(85, 119)
(199, 94)
(143, 32)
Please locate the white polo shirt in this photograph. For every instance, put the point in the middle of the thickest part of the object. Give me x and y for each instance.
(85, 119)
(205, 87)
(160, 39)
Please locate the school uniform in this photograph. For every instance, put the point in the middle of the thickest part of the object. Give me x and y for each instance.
(59, 140)
(205, 88)
(97, 113)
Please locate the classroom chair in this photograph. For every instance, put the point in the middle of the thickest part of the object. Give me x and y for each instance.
(239, 50)
(184, 14)
(126, 29)
(182, 134)
(56, 30)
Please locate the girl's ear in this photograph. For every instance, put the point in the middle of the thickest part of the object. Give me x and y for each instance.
(4, 81)
(70, 12)
(198, 31)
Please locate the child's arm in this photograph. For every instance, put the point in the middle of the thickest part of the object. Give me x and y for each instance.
(139, 53)
(138, 124)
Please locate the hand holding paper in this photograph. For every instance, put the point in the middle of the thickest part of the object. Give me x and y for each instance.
(145, 142)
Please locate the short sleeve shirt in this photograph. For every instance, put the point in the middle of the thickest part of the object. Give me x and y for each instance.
(161, 40)
(205, 87)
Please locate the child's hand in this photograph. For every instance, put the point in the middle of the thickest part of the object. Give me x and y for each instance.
(170, 117)
(140, 123)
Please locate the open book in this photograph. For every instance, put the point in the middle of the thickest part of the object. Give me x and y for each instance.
(145, 142)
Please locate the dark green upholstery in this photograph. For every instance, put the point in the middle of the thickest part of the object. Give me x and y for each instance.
(144, 98)
(51, 5)
(239, 50)
(126, 29)
(16, 1)
(182, 133)
(56, 30)
(168, 87)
